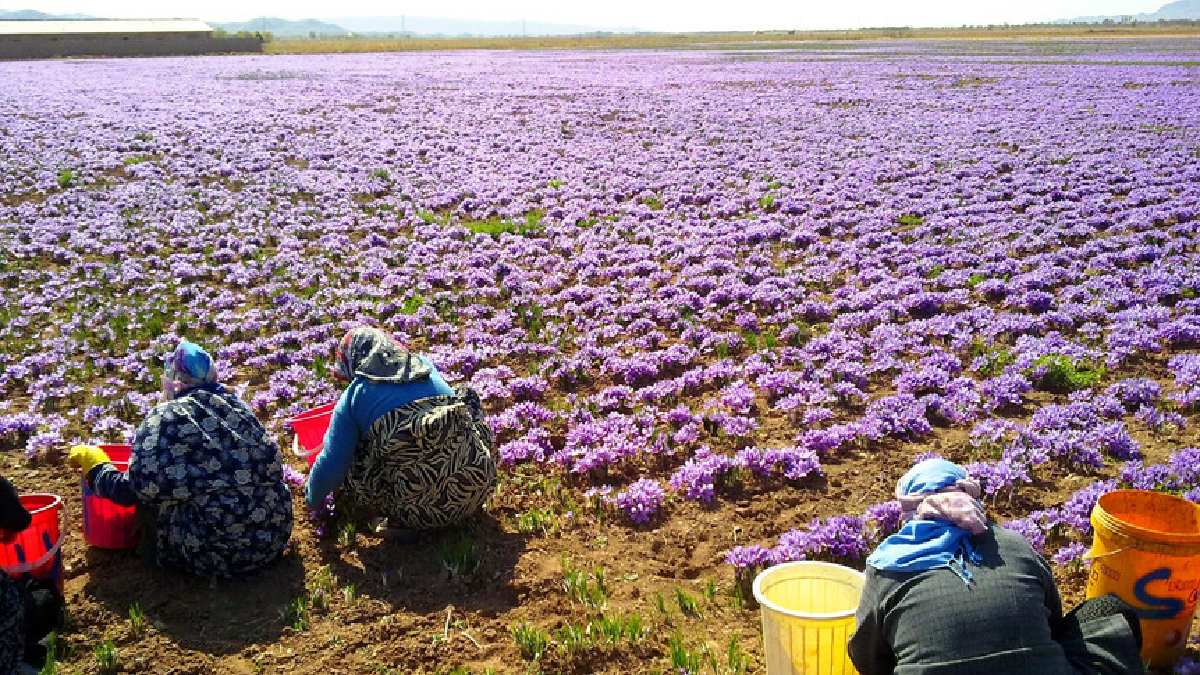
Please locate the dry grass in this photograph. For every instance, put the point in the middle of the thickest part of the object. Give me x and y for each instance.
(722, 40)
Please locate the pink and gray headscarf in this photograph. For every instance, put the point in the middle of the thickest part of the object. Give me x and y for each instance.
(186, 368)
(941, 510)
(376, 356)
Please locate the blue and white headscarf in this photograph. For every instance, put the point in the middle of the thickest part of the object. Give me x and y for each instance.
(941, 509)
(186, 368)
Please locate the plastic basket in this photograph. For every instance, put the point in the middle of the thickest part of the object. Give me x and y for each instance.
(36, 551)
(310, 427)
(808, 613)
(107, 524)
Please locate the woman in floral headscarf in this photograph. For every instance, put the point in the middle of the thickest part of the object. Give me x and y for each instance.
(952, 594)
(401, 443)
(204, 474)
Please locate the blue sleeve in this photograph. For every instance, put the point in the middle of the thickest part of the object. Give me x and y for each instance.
(113, 485)
(337, 455)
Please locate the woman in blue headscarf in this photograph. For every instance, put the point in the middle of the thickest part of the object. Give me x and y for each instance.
(952, 594)
(206, 477)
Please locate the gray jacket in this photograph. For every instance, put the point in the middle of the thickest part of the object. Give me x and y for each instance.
(931, 623)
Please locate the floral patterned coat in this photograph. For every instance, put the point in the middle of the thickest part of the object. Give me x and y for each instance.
(210, 475)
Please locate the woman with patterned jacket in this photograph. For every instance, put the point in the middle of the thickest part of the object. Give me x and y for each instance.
(204, 474)
(401, 443)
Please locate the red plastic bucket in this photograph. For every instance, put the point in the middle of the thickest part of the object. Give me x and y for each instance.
(107, 524)
(36, 551)
(310, 427)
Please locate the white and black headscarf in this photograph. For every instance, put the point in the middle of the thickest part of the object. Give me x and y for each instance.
(376, 356)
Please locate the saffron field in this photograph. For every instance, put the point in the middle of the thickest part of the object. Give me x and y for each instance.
(715, 302)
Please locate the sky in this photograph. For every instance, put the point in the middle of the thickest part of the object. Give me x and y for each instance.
(666, 15)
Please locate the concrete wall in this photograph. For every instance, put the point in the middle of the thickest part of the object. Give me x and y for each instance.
(140, 44)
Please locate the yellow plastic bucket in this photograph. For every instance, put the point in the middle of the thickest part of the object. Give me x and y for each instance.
(808, 617)
(1146, 550)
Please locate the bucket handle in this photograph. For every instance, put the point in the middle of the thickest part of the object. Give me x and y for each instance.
(1091, 556)
(301, 452)
(22, 568)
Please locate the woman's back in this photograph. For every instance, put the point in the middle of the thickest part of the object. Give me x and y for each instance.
(932, 623)
(213, 476)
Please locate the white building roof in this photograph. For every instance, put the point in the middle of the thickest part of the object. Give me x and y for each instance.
(77, 26)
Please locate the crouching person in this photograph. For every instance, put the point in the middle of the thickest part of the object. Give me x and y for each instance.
(953, 594)
(401, 444)
(30, 609)
(204, 474)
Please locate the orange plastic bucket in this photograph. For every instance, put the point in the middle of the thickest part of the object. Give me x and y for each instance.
(107, 524)
(310, 427)
(36, 551)
(1146, 550)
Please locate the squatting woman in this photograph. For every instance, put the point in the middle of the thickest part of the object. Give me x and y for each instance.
(204, 474)
(401, 443)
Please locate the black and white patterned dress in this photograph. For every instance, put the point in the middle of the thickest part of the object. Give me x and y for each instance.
(424, 465)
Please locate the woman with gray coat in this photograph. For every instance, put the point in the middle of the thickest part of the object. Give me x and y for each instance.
(952, 594)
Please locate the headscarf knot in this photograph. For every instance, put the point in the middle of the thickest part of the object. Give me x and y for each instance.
(941, 510)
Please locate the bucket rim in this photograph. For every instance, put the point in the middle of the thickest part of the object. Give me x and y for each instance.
(55, 501)
(123, 449)
(775, 607)
(1150, 535)
(319, 411)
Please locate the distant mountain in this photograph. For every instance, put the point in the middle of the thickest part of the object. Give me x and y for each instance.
(1181, 9)
(281, 27)
(423, 25)
(34, 15)
(411, 25)
(1175, 11)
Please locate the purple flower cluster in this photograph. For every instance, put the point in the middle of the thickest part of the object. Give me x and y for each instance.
(901, 416)
(1005, 392)
(1070, 553)
(839, 537)
(1029, 528)
(1186, 369)
(1135, 392)
(641, 500)
(748, 557)
(697, 478)
(1160, 421)
(792, 462)
(1076, 435)
(884, 517)
(293, 478)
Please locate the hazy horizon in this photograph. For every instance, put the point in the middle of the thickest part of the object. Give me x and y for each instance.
(669, 15)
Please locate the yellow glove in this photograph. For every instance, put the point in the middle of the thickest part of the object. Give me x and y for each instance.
(87, 457)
